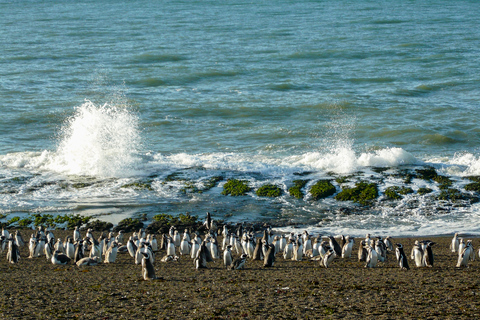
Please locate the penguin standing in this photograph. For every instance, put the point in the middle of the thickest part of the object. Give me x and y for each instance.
(79, 255)
(76, 234)
(288, 251)
(154, 242)
(418, 255)
(13, 253)
(111, 254)
(372, 258)
(381, 250)
(389, 243)
(348, 247)
(464, 256)
(298, 250)
(401, 257)
(336, 247)
(70, 248)
(31, 245)
(258, 252)
(203, 256)
(19, 239)
(454, 244)
(131, 247)
(148, 271)
(428, 255)
(185, 245)
(269, 259)
(50, 249)
(228, 257)
(362, 251)
(170, 247)
(194, 248)
(327, 258)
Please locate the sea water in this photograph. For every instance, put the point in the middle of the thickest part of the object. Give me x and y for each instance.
(125, 108)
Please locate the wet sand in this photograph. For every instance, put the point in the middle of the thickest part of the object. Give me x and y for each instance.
(37, 289)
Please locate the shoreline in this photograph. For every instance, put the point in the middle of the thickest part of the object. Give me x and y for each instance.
(37, 289)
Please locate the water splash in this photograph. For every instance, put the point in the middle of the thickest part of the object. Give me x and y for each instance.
(100, 141)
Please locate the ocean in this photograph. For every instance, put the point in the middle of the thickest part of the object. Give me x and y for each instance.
(118, 109)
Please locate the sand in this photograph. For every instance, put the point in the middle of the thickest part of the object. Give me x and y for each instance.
(37, 289)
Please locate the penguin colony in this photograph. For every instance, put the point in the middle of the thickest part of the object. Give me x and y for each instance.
(240, 243)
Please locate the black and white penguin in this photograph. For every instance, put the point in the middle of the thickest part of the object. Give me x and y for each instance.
(464, 256)
(269, 259)
(381, 249)
(428, 255)
(131, 247)
(401, 257)
(239, 263)
(185, 245)
(328, 258)
(418, 253)
(170, 247)
(76, 234)
(79, 252)
(372, 258)
(50, 249)
(454, 244)
(148, 271)
(31, 245)
(70, 248)
(288, 251)
(348, 247)
(258, 252)
(13, 253)
(195, 246)
(19, 239)
(60, 258)
(228, 257)
(120, 237)
(389, 243)
(362, 251)
(203, 256)
(336, 247)
(209, 223)
(298, 250)
(111, 254)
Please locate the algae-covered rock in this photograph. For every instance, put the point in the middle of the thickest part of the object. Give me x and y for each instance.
(395, 192)
(428, 173)
(98, 225)
(423, 191)
(444, 182)
(296, 190)
(363, 193)
(474, 186)
(139, 186)
(129, 225)
(322, 189)
(162, 222)
(235, 187)
(269, 190)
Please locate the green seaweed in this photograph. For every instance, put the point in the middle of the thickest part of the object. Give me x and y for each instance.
(428, 173)
(423, 191)
(395, 192)
(269, 190)
(296, 190)
(341, 180)
(129, 225)
(451, 195)
(98, 225)
(322, 189)
(474, 186)
(139, 186)
(363, 193)
(162, 222)
(444, 182)
(235, 187)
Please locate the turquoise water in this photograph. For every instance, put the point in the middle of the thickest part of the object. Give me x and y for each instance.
(115, 92)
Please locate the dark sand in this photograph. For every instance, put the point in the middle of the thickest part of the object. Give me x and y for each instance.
(37, 289)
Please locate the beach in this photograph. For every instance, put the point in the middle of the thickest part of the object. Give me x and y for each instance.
(37, 289)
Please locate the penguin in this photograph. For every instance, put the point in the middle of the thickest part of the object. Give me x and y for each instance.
(237, 245)
(49, 235)
(336, 247)
(428, 255)
(131, 247)
(209, 223)
(213, 247)
(202, 257)
(362, 251)
(307, 242)
(60, 258)
(288, 252)
(39, 246)
(472, 251)
(368, 241)
(269, 259)
(120, 237)
(228, 257)
(76, 234)
(87, 261)
(111, 254)
(58, 244)
(138, 253)
(226, 238)
(13, 253)
(401, 257)
(169, 258)
(79, 254)
(454, 244)
(461, 245)
(19, 239)
(381, 250)
(418, 255)
(348, 247)
(31, 245)
(389, 243)
(154, 242)
(89, 234)
(3, 243)
(50, 249)
(185, 245)
(258, 252)
(186, 235)
(298, 250)
(194, 248)
(372, 258)
(239, 263)
(464, 256)
(176, 239)
(249, 247)
(170, 247)
(70, 248)
(327, 258)
(283, 243)
(148, 271)
(96, 250)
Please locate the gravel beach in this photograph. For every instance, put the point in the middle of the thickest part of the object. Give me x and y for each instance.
(37, 289)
